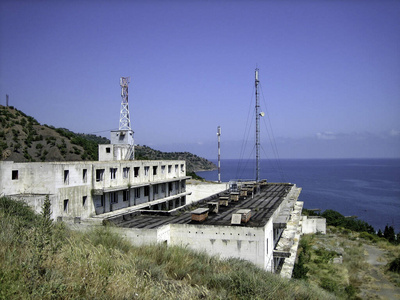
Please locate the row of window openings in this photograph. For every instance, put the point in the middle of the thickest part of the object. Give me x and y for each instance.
(113, 172)
(113, 199)
(66, 202)
(125, 195)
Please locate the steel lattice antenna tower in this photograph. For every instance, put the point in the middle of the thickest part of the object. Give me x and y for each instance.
(124, 121)
(257, 128)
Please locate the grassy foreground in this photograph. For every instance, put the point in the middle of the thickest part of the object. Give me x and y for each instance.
(40, 259)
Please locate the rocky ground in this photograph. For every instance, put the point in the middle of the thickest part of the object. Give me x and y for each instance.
(356, 262)
(377, 284)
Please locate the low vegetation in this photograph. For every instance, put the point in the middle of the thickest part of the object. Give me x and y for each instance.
(23, 139)
(194, 163)
(336, 261)
(40, 259)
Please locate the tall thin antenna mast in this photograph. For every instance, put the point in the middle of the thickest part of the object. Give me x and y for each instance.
(257, 129)
(124, 120)
(219, 153)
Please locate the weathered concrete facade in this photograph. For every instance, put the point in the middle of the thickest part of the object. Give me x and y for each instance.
(257, 240)
(313, 224)
(87, 188)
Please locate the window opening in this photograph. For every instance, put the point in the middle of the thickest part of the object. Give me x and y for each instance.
(113, 172)
(125, 196)
(137, 193)
(14, 175)
(84, 175)
(125, 172)
(146, 171)
(114, 197)
(84, 198)
(136, 171)
(66, 205)
(66, 176)
(99, 175)
(154, 170)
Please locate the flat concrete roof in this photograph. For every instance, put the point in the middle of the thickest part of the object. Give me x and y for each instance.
(262, 207)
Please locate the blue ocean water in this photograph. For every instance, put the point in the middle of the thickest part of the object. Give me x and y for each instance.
(366, 188)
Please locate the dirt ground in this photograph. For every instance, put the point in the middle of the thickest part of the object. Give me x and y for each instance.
(377, 286)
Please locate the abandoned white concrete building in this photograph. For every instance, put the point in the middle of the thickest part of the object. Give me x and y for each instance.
(146, 200)
(87, 188)
(84, 189)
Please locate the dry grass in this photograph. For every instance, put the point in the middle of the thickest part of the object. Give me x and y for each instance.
(345, 280)
(99, 264)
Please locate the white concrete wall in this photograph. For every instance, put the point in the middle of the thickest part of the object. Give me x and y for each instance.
(246, 243)
(313, 225)
(137, 236)
(66, 181)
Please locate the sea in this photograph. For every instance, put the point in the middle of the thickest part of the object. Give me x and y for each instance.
(366, 188)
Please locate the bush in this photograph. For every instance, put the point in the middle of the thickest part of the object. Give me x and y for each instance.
(394, 265)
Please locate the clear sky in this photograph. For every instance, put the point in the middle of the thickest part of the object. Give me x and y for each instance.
(329, 72)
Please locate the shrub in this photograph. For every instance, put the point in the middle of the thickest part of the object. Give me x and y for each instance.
(394, 265)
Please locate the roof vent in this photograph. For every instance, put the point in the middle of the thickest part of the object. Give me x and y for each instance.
(200, 214)
(241, 216)
(236, 219)
(223, 200)
(213, 206)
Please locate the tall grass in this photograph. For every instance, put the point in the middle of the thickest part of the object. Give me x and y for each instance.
(40, 260)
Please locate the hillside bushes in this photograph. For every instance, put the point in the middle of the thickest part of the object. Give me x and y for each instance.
(40, 259)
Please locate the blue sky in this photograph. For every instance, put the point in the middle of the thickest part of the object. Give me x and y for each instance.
(329, 72)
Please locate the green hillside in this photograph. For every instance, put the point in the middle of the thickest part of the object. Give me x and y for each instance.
(23, 139)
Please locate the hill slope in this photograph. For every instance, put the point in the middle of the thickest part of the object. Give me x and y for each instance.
(194, 163)
(23, 139)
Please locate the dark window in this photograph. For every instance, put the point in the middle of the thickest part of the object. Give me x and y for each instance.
(99, 174)
(14, 175)
(84, 175)
(114, 197)
(66, 176)
(84, 198)
(108, 150)
(66, 205)
(154, 170)
(113, 172)
(137, 193)
(125, 195)
(125, 172)
(146, 191)
(136, 170)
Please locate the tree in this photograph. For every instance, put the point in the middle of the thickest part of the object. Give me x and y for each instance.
(389, 234)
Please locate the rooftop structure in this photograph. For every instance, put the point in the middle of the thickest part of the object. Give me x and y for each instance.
(239, 224)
